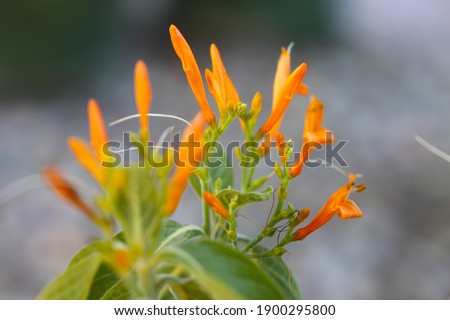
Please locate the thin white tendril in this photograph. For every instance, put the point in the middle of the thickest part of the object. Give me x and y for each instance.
(33, 182)
(441, 154)
(153, 147)
(290, 46)
(157, 115)
(168, 132)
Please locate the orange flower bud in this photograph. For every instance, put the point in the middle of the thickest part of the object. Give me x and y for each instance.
(99, 137)
(65, 190)
(192, 71)
(216, 205)
(142, 93)
(86, 158)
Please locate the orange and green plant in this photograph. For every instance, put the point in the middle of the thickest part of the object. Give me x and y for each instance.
(141, 253)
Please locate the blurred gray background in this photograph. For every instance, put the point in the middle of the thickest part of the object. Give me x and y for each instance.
(382, 68)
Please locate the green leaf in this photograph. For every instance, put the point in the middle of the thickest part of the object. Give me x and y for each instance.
(121, 289)
(87, 277)
(196, 184)
(223, 272)
(279, 271)
(75, 283)
(174, 232)
(243, 198)
(282, 275)
(186, 291)
(104, 279)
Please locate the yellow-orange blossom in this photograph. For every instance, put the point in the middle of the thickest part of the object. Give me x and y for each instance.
(337, 203)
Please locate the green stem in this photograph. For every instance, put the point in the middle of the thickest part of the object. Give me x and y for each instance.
(206, 215)
(254, 242)
(272, 222)
(264, 254)
(233, 224)
(243, 177)
(248, 179)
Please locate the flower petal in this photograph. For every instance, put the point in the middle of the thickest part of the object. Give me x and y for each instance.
(348, 210)
(192, 72)
(99, 137)
(64, 189)
(85, 157)
(283, 100)
(228, 90)
(214, 88)
(216, 205)
(142, 92)
(282, 74)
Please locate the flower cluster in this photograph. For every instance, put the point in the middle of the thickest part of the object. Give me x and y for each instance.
(140, 198)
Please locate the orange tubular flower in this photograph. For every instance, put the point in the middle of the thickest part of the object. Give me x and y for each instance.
(313, 131)
(337, 203)
(142, 93)
(82, 152)
(216, 205)
(192, 71)
(186, 166)
(99, 137)
(64, 189)
(219, 83)
(92, 161)
(281, 76)
(313, 134)
(283, 99)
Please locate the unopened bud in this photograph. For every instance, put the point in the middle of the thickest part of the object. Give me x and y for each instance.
(279, 251)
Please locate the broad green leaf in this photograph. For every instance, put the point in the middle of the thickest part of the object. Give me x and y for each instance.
(104, 279)
(244, 198)
(187, 291)
(279, 271)
(87, 277)
(75, 283)
(174, 232)
(222, 271)
(120, 290)
(282, 275)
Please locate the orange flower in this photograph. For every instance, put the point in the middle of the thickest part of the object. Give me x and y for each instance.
(192, 71)
(289, 88)
(219, 83)
(216, 205)
(64, 189)
(337, 203)
(99, 137)
(313, 131)
(187, 156)
(142, 93)
(313, 134)
(83, 153)
(281, 76)
(91, 157)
